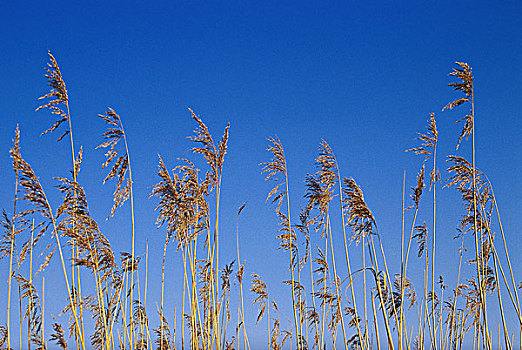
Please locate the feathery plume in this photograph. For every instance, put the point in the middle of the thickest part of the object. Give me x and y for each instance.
(464, 74)
(57, 98)
(120, 167)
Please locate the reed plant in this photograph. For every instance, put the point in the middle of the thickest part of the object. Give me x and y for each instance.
(355, 301)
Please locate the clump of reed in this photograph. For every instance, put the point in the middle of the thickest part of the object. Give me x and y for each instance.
(335, 301)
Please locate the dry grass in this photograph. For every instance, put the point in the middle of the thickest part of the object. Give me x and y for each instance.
(368, 307)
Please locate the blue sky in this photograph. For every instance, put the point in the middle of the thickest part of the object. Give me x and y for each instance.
(362, 75)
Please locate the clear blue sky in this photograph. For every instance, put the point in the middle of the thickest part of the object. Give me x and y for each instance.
(362, 75)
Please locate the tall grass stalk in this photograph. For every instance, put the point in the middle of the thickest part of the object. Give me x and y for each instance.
(12, 245)
(334, 306)
(277, 166)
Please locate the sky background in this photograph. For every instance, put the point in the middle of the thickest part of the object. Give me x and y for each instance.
(363, 76)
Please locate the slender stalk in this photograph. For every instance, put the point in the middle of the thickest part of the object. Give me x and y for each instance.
(387, 274)
(74, 250)
(454, 304)
(216, 308)
(325, 289)
(268, 317)
(373, 259)
(402, 251)
(403, 274)
(298, 336)
(316, 340)
(185, 284)
(440, 316)
(376, 324)
(433, 182)
(479, 258)
(57, 236)
(517, 307)
(365, 289)
(43, 311)
(162, 289)
(125, 330)
(339, 305)
(31, 294)
(11, 251)
(131, 198)
(350, 276)
(506, 335)
(146, 287)
(20, 316)
(241, 266)
(195, 312)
